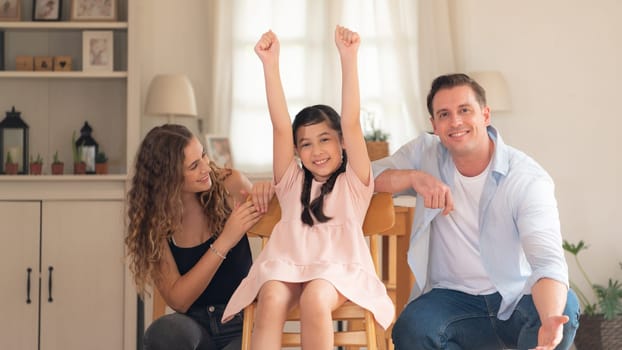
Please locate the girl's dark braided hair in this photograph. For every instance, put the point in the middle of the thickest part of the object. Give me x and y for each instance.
(310, 116)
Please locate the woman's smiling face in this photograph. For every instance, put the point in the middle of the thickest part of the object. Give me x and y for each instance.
(196, 168)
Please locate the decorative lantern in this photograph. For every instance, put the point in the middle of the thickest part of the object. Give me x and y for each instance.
(88, 147)
(14, 141)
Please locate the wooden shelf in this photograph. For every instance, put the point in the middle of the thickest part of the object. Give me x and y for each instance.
(60, 74)
(56, 187)
(62, 25)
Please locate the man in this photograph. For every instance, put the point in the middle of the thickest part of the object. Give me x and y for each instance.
(496, 276)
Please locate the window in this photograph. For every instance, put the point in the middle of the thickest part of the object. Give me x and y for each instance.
(310, 68)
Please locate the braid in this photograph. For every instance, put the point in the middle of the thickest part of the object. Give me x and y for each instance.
(317, 205)
(310, 116)
(305, 198)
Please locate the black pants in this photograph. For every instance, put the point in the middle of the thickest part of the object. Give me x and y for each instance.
(198, 329)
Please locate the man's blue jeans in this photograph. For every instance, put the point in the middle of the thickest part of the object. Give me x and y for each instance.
(448, 319)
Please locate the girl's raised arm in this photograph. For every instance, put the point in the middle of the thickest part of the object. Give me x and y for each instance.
(267, 48)
(348, 43)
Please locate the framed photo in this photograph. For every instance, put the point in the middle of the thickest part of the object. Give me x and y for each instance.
(10, 10)
(219, 150)
(93, 10)
(97, 50)
(46, 10)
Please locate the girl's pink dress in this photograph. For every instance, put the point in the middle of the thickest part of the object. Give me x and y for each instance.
(335, 251)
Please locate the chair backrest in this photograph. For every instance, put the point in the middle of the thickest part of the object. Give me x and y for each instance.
(380, 216)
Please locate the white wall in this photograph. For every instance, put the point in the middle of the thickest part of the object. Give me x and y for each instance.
(174, 40)
(562, 60)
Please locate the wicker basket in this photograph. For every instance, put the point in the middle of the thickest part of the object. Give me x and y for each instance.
(596, 333)
(377, 149)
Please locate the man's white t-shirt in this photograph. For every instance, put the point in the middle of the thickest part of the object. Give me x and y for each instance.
(455, 261)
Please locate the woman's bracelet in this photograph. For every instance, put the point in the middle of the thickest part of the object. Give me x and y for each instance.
(217, 252)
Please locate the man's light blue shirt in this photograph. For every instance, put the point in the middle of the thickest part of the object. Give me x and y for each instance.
(520, 239)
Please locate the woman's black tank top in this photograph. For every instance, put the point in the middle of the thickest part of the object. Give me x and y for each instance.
(229, 275)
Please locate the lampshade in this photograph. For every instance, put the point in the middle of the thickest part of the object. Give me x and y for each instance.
(497, 92)
(171, 95)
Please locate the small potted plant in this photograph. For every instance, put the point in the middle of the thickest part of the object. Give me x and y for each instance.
(36, 165)
(58, 167)
(79, 166)
(601, 322)
(375, 139)
(10, 166)
(101, 163)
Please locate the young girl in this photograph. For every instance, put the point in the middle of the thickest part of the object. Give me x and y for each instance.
(316, 257)
(186, 235)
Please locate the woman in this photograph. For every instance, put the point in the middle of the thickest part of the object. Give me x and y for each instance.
(186, 236)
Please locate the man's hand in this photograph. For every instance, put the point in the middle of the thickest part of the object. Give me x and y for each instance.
(436, 194)
(551, 332)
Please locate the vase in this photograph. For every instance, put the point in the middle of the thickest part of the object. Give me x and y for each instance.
(377, 149)
(79, 168)
(58, 168)
(36, 168)
(101, 168)
(11, 168)
(596, 333)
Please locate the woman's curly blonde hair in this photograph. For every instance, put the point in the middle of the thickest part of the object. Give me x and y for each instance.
(154, 201)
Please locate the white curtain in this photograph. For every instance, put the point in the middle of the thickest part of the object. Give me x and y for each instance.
(220, 39)
(393, 86)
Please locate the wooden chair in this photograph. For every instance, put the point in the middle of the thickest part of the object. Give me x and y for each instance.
(379, 218)
(159, 305)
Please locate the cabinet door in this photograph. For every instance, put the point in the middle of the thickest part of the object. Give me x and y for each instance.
(83, 257)
(19, 251)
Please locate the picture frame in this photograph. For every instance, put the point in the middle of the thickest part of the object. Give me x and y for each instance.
(46, 10)
(93, 10)
(10, 10)
(97, 50)
(219, 150)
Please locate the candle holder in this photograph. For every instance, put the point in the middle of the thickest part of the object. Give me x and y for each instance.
(14, 141)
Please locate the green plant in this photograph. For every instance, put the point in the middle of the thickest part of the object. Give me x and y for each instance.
(9, 158)
(76, 150)
(609, 298)
(56, 160)
(37, 160)
(370, 127)
(101, 157)
(376, 135)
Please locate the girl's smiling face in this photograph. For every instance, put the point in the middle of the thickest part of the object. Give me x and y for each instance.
(319, 148)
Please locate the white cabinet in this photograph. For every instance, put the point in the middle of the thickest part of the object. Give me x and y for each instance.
(19, 268)
(65, 254)
(82, 256)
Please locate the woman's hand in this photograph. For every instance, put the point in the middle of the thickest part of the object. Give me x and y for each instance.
(242, 218)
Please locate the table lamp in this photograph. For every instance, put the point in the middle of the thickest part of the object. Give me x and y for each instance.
(171, 95)
(497, 92)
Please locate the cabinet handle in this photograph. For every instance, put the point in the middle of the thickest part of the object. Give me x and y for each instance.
(28, 301)
(50, 269)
